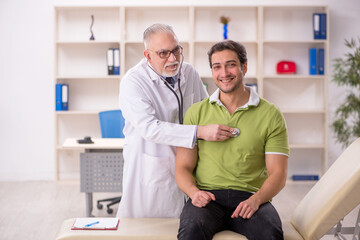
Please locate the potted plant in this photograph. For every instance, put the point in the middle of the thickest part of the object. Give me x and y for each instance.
(346, 72)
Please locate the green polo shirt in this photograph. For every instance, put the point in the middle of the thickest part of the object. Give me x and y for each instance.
(238, 163)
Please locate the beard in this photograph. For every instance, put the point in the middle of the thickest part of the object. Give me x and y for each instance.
(172, 73)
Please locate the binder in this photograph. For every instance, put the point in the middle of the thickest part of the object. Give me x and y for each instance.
(58, 97)
(65, 97)
(312, 61)
(110, 61)
(316, 25)
(322, 25)
(116, 52)
(296, 177)
(321, 59)
(252, 85)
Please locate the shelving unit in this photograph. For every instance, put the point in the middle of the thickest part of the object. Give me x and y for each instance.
(269, 33)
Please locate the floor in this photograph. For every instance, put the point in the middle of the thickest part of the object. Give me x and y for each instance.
(35, 210)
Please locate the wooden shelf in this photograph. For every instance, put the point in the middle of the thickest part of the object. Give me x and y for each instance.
(68, 42)
(294, 41)
(307, 146)
(59, 113)
(303, 111)
(90, 77)
(295, 76)
(213, 42)
(269, 33)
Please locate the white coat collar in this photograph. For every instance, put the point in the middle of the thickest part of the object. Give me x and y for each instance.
(159, 81)
(253, 99)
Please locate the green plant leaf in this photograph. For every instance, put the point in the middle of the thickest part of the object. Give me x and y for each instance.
(346, 72)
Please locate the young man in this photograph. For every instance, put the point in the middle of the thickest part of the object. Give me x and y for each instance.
(230, 184)
(152, 108)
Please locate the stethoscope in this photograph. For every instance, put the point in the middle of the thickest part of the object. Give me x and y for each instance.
(180, 100)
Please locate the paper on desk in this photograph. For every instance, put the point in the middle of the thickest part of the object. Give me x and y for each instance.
(104, 224)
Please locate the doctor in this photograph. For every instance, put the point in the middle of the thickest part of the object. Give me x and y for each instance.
(153, 108)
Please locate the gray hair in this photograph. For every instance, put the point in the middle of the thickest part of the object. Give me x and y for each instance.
(157, 28)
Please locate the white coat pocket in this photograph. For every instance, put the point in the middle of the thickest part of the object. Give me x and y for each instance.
(155, 171)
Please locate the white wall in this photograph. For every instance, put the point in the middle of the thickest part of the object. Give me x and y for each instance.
(26, 90)
(26, 76)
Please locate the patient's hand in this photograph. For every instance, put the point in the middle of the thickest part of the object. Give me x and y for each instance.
(246, 209)
(202, 198)
(214, 132)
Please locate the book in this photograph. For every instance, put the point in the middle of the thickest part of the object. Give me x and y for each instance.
(305, 177)
(312, 61)
(116, 61)
(321, 61)
(95, 224)
(110, 61)
(58, 97)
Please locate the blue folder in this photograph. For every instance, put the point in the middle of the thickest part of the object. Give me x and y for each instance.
(321, 61)
(116, 69)
(305, 177)
(316, 25)
(65, 97)
(58, 97)
(312, 61)
(323, 26)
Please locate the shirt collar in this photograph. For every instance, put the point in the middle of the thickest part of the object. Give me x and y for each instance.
(154, 76)
(253, 99)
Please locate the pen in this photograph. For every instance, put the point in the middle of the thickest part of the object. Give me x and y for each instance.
(91, 224)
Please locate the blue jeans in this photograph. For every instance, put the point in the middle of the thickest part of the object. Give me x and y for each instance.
(202, 223)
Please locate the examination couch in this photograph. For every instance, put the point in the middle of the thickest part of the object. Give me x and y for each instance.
(335, 195)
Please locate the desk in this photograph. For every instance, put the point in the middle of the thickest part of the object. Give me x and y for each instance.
(99, 143)
(138, 229)
(100, 166)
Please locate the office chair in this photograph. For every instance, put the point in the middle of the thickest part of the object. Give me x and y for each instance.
(111, 125)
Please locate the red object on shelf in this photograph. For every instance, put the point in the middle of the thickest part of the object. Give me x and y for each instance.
(285, 67)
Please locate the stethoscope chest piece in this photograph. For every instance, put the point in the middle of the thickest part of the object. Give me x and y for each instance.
(235, 132)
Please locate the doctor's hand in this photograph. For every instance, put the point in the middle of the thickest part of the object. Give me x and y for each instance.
(202, 198)
(246, 209)
(214, 132)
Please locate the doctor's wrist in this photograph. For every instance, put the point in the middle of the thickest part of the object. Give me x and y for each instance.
(199, 132)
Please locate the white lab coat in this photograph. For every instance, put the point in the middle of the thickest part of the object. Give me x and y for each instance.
(151, 134)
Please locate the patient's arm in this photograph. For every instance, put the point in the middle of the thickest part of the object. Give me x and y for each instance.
(276, 165)
(186, 160)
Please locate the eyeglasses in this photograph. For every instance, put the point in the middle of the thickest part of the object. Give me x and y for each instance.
(166, 53)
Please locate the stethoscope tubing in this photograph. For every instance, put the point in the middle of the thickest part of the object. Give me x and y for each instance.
(179, 101)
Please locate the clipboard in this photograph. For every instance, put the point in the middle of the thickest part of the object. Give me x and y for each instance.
(95, 224)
